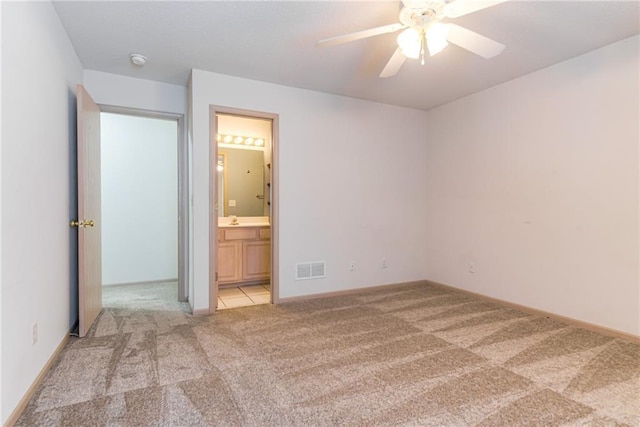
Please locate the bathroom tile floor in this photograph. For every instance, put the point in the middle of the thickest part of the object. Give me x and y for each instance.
(243, 296)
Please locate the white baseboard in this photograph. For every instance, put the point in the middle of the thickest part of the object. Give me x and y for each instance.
(146, 282)
(201, 312)
(284, 300)
(536, 312)
(578, 323)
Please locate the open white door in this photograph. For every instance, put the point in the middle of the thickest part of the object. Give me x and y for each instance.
(88, 223)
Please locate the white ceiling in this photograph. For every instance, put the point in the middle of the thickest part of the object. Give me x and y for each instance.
(274, 41)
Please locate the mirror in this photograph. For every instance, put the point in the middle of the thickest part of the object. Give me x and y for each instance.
(240, 182)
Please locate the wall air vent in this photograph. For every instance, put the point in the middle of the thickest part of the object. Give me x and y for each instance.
(310, 270)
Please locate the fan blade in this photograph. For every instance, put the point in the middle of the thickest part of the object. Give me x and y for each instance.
(474, 42)
(360, 35)
(394, 64)
(463, 7)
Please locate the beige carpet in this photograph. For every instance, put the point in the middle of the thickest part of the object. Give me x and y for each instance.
(410, 355)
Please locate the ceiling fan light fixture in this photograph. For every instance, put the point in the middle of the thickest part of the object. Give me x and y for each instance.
(437, 38)
(422, 31)
(410, 43)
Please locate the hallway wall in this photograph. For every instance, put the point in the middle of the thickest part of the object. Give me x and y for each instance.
(139, 199)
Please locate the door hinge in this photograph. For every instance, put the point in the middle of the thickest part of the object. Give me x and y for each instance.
(216, 276)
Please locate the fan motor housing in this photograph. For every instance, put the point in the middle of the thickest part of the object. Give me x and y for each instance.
(428, 12)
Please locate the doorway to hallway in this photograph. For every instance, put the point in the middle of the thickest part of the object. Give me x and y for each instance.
(140, 200)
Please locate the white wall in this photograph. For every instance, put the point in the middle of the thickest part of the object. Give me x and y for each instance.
(122, 91)
(139, 199)
(536, 182)
(351, 178)
(40, 71)
(1, 416)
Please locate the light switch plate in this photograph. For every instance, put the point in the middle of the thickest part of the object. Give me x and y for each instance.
(232, 203)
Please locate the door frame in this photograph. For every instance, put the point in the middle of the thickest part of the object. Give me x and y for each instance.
(213, 198)
(183, 188)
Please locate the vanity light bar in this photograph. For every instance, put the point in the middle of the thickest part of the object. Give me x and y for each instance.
(246, 140)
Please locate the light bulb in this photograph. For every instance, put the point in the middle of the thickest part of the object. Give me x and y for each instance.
(248, 141)
(259, 142)
(410, 43)
(437, 38)
(238, 140)
(228, 138)
(218, 137)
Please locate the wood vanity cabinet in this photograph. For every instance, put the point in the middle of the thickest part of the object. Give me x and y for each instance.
(244, 255)
(229, 255)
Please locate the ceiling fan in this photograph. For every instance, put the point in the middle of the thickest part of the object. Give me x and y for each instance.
(423, 30)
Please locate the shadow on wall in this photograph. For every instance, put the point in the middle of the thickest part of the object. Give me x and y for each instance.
(73, 208)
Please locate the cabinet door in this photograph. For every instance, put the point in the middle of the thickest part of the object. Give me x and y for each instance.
(229, 261)
(256, 259)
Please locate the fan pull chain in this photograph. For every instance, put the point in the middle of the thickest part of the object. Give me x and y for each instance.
(423, 41)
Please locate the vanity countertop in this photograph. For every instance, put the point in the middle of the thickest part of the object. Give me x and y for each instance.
(244, 221)
(245, 224)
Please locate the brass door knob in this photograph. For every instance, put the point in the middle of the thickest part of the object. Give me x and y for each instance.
(74, 223)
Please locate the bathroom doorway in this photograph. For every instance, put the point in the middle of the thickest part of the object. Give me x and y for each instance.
(244, 232)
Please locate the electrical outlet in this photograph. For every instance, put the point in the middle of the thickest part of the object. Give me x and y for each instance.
(34, 333)
(352, 265)
(472, 267)
(383, 263)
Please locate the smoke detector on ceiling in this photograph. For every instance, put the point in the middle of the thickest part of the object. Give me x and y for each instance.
(137, 59)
